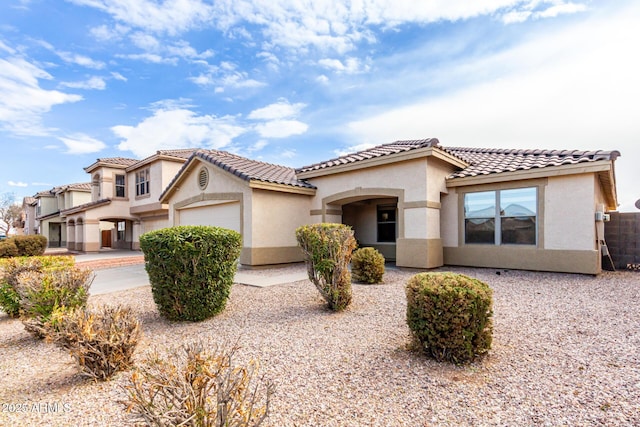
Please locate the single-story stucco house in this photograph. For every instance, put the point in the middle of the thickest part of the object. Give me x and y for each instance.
(419, 203)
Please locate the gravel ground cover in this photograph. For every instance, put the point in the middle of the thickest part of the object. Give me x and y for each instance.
(566, 352)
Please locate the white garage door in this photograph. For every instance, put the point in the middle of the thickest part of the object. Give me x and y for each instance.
(223, 215)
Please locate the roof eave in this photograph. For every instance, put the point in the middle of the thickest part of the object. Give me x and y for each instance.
(283, 188)
(384, 160)
(519, 175)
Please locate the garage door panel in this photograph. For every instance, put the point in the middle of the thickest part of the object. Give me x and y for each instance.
(223, 215)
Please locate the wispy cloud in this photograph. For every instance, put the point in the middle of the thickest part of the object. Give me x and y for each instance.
(93, 83)
(82, 144)
(177, 127)
(17, 184)
(278, 110)
(22, 101)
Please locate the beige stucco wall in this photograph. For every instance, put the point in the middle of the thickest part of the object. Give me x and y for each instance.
(566, 228)
(418, 185)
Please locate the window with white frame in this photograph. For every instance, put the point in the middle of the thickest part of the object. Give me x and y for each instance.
(121, 229)
(501, 217)
(120, 186)
(142, 182)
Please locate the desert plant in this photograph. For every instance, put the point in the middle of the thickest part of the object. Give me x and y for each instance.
(30, 245)
(102, 342)
(8, 248)
(327, 251)
(43, 292)
(367, 265)
(191, 269)
(198, 385)
(450, 315)
(11, 268)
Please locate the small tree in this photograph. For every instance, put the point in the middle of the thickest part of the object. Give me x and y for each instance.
(10, 213)
(327, 250)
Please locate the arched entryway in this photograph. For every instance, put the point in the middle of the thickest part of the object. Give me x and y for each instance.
(374, 215)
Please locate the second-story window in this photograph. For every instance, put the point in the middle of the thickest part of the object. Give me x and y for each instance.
(142, 182)
(120, 186)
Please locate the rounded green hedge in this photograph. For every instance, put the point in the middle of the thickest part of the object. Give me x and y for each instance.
(367, 265)
(191, 269)
(450, 315)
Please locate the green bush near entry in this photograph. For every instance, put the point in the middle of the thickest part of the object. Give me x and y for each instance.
(327, 250)
(450, 315)
(367, 265)
(191, 269)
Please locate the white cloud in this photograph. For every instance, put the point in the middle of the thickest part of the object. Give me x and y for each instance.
(322, 79)
(149, 57)
(17, 184)
(281, 128)
(104, 33)
(23, 101)
(349, 66)
(82, 144)
(171, 17)
(279, 110)
(572, 88)
(93, 83)
(118, 76)
(82, 60)
(6, 48)
(177, 128)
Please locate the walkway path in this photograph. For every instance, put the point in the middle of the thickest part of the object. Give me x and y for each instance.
(118, 270)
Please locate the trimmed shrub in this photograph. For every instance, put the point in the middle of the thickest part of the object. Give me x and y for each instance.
(11, 268)
(195, 386)
(367, 265)
(43, 292)
(101, 342)
(327, 251)
(450, 315)
(8, 248)
(191, 269)
(30, 245)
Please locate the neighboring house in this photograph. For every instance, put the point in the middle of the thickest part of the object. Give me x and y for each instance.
(29, 215)
(420, 204)
(49, 207)
(124, 201)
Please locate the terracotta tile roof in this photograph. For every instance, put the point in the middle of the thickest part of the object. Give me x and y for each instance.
(377, 151)
(85, 206)
(486, 161)
(248, 169)
(183, 153)
(81, 186)
(121, 162)
(28, 200)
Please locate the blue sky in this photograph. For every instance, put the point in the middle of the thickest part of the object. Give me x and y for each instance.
(294, 82)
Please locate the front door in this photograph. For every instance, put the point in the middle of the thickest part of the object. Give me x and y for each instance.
(106, 238)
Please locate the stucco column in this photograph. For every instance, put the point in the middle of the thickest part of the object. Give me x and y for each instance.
(135, 235)
(91, 242)
(79, 236)
(71, 235)
(419, 245)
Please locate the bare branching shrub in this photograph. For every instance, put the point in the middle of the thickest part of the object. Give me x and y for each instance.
(43, 292)
(327, 251)
(195, 386)
(101, 342)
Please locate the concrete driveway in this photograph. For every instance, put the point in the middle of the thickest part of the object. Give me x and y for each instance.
(119, 279)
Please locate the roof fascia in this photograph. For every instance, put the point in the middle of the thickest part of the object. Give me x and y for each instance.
(384, 160)
(283, 188)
